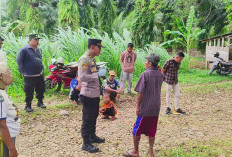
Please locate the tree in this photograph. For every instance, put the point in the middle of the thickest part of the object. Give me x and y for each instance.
(186, 34)
(107, 14)
(87, 14)
(229, 11)
(125, 6)
(68, 14)
(33, 20)
(147, 22)
(26, 16)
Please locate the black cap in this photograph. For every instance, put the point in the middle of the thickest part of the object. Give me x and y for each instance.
(34, 36)
(96, 42)
(153, 58)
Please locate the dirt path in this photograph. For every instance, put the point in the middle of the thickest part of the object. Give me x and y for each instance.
(208, 121)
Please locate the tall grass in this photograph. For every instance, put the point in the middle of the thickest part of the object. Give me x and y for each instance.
(71, 45)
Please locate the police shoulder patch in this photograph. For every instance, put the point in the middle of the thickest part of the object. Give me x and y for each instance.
(84, 66)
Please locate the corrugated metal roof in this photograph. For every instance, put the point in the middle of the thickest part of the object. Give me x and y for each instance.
(219, 36)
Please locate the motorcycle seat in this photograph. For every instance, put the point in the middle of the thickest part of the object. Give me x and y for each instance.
(227, 64)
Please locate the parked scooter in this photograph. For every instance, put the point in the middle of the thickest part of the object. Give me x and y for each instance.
(221, 66)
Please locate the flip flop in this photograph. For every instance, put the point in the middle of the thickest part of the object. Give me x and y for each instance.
(127, 154)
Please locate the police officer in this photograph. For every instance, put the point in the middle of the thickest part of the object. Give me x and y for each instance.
(89, 95)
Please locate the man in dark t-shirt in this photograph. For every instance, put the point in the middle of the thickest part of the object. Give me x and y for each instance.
(148, 104)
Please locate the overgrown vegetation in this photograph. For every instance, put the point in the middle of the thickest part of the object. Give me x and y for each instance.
(145, 19)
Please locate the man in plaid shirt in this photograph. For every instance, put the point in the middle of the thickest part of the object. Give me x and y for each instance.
(170, 70)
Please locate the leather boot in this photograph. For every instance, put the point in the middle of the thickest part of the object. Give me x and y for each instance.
(40, 104)
(28, 107)
(95, 139)
(87, 146)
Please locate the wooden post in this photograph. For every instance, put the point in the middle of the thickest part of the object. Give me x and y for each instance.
(223, 42)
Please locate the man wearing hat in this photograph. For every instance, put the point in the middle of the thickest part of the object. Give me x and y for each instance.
(30, 64)
(89, 95)
(148, 104)
(112, 86)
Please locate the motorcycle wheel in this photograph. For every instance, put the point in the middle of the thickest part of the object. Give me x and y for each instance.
(55, 88)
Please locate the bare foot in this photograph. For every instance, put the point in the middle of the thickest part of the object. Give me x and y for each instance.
(150, 154)
(131, 153)
(105, 117)
(113, 118)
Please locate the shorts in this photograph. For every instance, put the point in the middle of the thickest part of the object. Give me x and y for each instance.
(109, 112)
(146, 126)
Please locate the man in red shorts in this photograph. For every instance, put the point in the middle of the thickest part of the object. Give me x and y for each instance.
(148, 104)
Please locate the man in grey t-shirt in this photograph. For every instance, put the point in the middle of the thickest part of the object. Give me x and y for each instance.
(148, 104)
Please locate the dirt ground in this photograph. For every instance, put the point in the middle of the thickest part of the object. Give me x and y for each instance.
(208, 122)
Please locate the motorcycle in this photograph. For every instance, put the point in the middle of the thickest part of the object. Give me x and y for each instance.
(62, 74)
(221, 66)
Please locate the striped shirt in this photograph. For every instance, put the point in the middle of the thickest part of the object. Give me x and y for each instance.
(149, 85)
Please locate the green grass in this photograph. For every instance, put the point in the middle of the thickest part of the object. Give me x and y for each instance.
(186, 78)
(211, 148)
(51, 112)
(195, 76)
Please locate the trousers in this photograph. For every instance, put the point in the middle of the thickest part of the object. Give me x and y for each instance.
(32, 84)
(89, 116)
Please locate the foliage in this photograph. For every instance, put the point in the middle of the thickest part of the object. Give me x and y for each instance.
(212, 14)
(143, 24)
(186, 34)
(87, 16)
(107, 14)
(25, 16)
(68, 14)
(147, 25)
(125, 6)
(33, 20)
(71, 45)
(229, 11)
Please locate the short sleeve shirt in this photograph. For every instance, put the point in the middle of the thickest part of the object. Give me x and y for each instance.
(149, 85)
(74, 84)
(113, 85)
(8, 112)
(171, 71)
